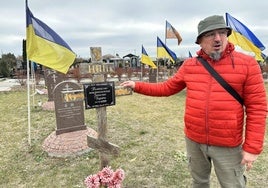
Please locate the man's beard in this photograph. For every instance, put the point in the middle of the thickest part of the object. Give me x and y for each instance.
(215, 56)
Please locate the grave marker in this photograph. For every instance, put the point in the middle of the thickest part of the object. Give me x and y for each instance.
(52, 78)
(69, 108)
(98, 69)
(153, 75)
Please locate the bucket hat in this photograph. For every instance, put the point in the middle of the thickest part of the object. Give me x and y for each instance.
(211, 23)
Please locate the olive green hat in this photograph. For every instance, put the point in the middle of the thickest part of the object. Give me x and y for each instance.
(211, 23)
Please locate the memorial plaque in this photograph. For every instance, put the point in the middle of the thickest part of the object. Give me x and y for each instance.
(120, 91)
(99, 94)
(69, 108)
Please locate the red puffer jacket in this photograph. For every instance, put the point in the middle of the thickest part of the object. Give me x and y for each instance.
(212, 115)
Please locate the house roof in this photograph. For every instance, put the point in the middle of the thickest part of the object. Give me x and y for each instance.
(130, 55)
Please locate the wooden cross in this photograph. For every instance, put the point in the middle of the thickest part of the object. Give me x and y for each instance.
(100, 143)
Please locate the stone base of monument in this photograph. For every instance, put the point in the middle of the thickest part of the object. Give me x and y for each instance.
(69, 144)
(49, 105)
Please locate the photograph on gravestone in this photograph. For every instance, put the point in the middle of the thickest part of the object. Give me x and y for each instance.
(99, 94)
(96, 55)
(69, 107)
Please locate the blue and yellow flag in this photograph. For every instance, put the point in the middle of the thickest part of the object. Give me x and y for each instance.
(243, 37)
(164, 52)
(146, 59)
(44, 46)
(172, 33)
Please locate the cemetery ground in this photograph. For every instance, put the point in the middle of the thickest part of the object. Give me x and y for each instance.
(148, 130)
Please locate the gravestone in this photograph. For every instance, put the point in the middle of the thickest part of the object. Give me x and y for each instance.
(83, 68)
(153, 75)
(47, 71)
(69, 108)
(51, 80)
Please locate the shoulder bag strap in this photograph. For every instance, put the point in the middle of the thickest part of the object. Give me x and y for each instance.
(223, 83)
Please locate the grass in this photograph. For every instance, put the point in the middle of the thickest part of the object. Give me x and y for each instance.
(148, 130)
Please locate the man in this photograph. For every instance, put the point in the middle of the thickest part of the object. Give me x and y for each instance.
(214, 120)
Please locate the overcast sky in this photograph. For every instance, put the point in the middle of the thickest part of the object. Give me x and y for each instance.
(123, 26)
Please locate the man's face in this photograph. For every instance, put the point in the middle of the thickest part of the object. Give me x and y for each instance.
(214, 42)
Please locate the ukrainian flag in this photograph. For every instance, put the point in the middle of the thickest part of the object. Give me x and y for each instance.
(164, 52)
(146, 59)
(244, 38)
(44, 46)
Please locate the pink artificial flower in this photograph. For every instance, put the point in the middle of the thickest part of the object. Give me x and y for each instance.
(92, 181)
(117, 179)
(119, 176)
(106, 175)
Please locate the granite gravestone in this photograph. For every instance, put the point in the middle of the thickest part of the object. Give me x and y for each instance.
(153, 75)
(69, 108)
(51, 80)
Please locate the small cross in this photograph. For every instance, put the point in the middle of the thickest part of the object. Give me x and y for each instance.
(67, 87)
(54, 78)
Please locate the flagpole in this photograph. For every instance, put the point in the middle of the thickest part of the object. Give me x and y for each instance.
(157, 71)
(141, 72)
(28, 86)
(157, 59)
(29, 103)
(165, 45)
(166, 33)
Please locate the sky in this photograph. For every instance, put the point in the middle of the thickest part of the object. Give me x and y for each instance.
(123, 26)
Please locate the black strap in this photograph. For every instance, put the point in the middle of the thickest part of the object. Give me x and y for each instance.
(223, 83)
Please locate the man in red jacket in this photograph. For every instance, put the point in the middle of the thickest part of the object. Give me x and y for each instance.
(218, 128)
